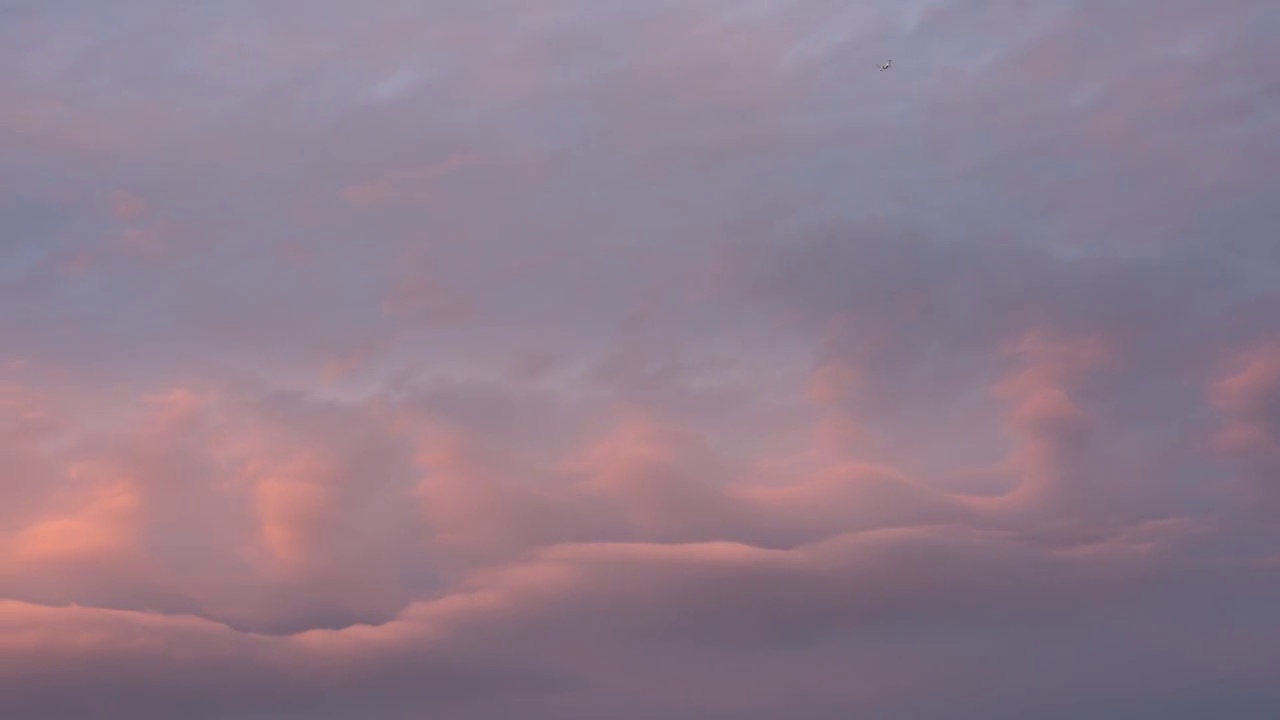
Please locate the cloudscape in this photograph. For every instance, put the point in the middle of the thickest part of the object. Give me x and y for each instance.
(641, 360)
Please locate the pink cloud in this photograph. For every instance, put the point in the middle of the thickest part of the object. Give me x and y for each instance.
(659, 477)
(406, 185)
(834, 384)
(1248, 400)
(127, 207)
(1052, 463)
(848, 551)
(398, 431)
(469, 505)
(1251, 399)
(712, 85)
(103, 527)
(418, 297)
(296, 514)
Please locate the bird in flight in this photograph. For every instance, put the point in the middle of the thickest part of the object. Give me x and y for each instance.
(884, 65)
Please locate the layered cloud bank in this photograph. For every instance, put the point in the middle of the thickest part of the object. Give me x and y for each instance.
(639, 361)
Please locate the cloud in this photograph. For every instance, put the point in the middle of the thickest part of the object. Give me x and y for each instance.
(1250, 396)
(133, 662)
(405, 184)
(730, 602)
(638, 361)
(1249, 400)
(101, 528)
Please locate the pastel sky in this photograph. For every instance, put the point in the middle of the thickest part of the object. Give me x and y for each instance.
(635, 359)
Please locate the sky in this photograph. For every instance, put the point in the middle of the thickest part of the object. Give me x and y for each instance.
(639, 360)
